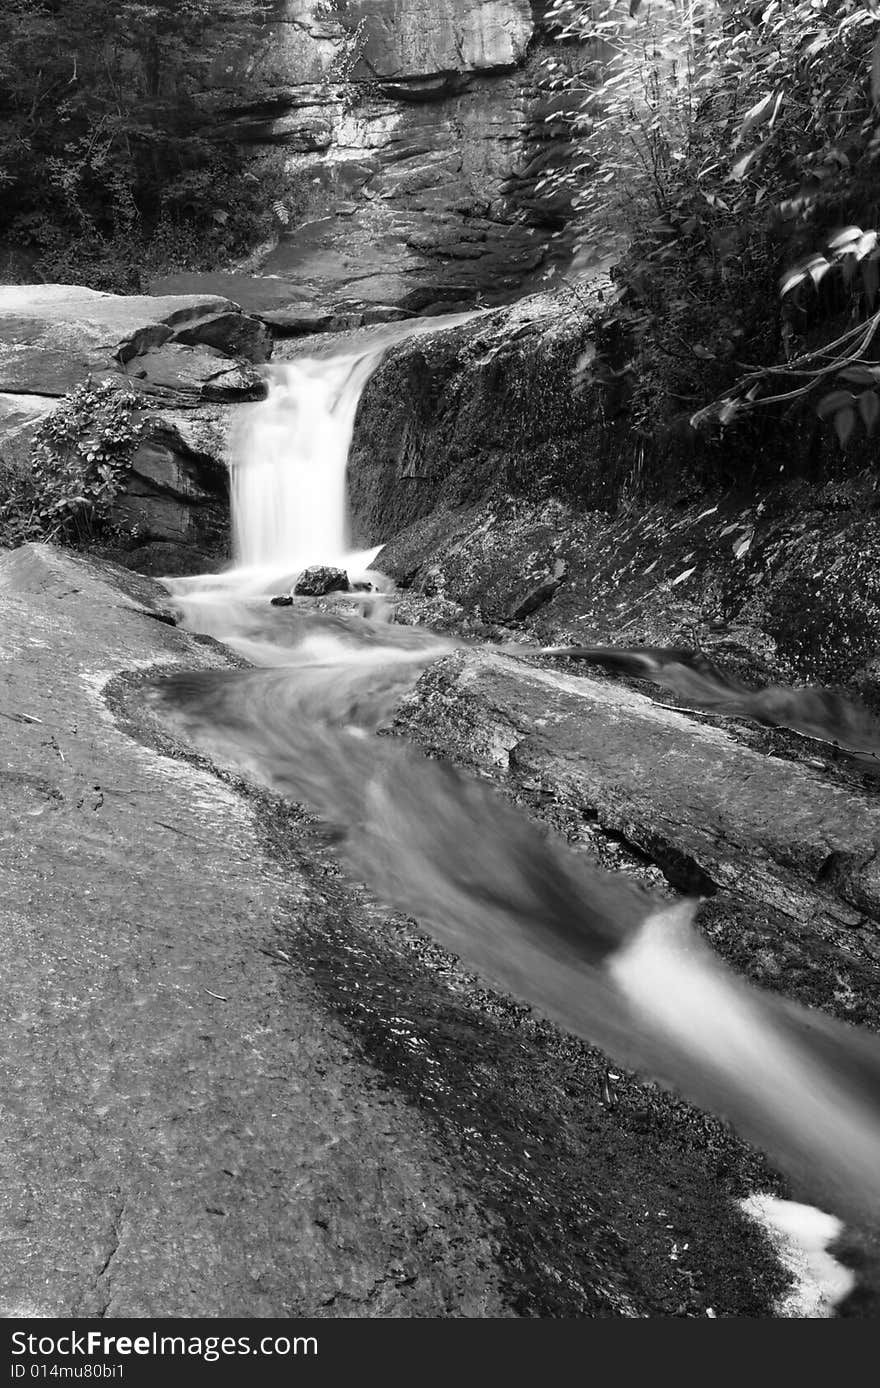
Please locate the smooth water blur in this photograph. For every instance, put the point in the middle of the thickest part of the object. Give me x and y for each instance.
(289, 459)
(291, 453)
(588, 949)
(811, 710)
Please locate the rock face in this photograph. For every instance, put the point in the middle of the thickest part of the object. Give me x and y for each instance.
(488, 407)
(416, 132)
(54, 335)
(506, 490)
(190, 357)
(699, 811)
(184, 1102)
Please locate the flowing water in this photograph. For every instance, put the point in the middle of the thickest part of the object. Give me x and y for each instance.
(590, 950)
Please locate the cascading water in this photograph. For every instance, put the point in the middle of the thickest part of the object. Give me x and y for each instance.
(290, 458)
(589, 949)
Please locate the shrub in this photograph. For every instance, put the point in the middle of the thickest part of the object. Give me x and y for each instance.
(717, 147)
(109, 143)
(81, 456)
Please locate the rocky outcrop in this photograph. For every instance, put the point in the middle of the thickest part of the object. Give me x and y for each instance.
(184, 1101)
(699, 811)
(178, 489)
(512, 494)
(414, 134)
(52, 336)
(190, 357)
(480, 410)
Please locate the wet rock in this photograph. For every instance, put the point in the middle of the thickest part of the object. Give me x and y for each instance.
(282, 600)
(297, 320)
(52, 336)
(475, 411)
(320, 579)
(191, 355)
(688, 796)
(144, 1105)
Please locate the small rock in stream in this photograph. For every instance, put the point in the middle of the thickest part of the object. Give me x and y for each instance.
(283, 600)
(319, 580)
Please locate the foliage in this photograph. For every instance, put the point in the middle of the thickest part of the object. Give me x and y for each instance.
(849, 359)
(82, 453)
(108, 159)
(723, 145)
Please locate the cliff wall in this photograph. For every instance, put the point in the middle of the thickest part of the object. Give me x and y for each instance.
(415, 134)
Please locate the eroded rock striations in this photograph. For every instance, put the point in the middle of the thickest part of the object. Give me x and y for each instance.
(417, 132)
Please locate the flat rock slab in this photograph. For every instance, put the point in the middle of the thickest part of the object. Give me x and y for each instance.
(187, 1132)
(54, 335)
(709, 811)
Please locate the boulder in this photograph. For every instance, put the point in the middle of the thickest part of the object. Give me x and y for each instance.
(452, 418)
(189, 355)
(192, 375)
(52, 336)
(178, 492)
(320, 579)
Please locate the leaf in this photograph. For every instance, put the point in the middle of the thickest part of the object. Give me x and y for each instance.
(743, 545)
(817, 267)
(860, 375)
(843, 239)
(834, 401)
(875, 72)
(681, 577)
(844, 423)
(739, 169)
(869, 409)
(790, 280)
(760, 111)
(776, 107)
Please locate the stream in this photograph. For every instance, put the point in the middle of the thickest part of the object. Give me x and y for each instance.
(308, 716)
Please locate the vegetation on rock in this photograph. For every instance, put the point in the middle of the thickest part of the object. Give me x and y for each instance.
(81, 457)
(725, 146)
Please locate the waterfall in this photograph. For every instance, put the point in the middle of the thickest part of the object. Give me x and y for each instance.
(289, 457)
(290, 453)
